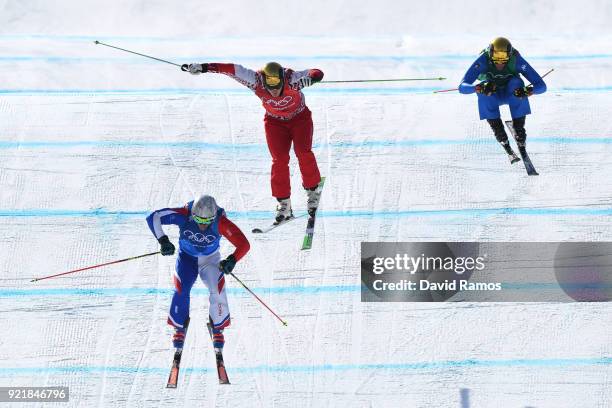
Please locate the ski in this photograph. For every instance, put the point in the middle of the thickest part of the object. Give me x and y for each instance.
(310, 224)
(523, 152)
(221, 372)
(176, 363)
(527, 162)
(273, 226)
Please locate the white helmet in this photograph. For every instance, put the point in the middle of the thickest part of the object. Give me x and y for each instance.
(204, 208)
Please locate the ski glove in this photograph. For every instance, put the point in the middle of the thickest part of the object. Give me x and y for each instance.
(227, 265)
(314, 76)
(523, 92)
(166, 246)
(487, 88)
(195, 69)
(305, 81)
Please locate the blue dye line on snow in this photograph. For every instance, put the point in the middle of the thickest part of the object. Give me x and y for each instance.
(320, 90)
(392, 38)
(577, 211)
(212, 91)
(310, 290)
(302, 290)
(444, 142)
(426, 365)
(7, 144)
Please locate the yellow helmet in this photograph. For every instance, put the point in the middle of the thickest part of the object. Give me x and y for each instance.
(273, 75)
(500, 50)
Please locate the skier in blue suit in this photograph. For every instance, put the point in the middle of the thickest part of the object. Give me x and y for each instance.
(201, 225)
(498, 68)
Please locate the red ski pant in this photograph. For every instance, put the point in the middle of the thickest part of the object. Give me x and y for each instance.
(279, 135)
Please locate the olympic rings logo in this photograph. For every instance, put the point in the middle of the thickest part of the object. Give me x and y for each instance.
(199, 238)
(282, 103)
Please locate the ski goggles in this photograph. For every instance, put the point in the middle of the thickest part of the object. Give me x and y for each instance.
(202, 220)
(500, 57)
(273, 82)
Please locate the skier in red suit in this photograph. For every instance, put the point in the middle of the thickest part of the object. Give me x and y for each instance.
(287, 120)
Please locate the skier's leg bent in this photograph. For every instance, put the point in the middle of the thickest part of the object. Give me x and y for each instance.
(279, 144)
(500, 134)
(498, 129)
(519, 129)
(302, 131)
(219, 313)
(519, 107)
(488, 106)
(185, 274)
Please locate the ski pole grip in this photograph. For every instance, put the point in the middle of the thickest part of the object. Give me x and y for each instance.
(185, 68)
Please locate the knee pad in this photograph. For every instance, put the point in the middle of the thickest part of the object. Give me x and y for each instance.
(498, 129)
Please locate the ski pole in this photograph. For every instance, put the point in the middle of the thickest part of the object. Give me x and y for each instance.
(142, 55)
(383, 80)
(257, 297)
(95, 266)
(446, 90)
(549, 71)
(456, 89)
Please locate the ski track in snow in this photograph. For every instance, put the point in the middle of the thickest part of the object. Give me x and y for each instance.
(86, 153)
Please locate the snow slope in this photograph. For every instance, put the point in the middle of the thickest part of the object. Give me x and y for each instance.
(92, 139)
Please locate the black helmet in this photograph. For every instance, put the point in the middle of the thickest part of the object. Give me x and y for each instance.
(273, 77)
(500, 50)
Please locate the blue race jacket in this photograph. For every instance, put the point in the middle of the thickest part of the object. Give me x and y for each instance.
(483, 66)
(192, 240)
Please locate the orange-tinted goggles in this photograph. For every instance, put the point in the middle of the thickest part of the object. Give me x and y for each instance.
(273, 82)
(500, 57)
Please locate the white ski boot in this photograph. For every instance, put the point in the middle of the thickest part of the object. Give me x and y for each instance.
(283, 211)
(313, 196)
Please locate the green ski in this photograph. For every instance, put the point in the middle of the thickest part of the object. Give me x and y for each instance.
(315, 197)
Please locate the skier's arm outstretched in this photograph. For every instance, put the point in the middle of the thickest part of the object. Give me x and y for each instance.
(244, 76)
(249, 78)
(302, 79)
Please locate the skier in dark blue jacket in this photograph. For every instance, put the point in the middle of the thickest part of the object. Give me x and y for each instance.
(498, 68)
(201, 225)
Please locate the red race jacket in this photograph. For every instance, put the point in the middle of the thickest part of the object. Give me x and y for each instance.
(290, 102)
(234, 235)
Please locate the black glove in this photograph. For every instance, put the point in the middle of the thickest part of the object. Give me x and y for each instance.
(227, 265)
(523, 92)
(488, 88)
(166, 246)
